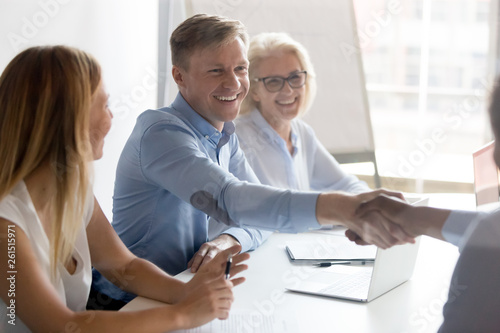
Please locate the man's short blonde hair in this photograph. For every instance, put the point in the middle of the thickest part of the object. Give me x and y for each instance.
(264, 45)
(203, 31)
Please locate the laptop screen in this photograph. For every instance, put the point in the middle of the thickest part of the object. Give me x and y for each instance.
(486, 175)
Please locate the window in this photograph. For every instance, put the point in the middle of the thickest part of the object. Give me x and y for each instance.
(427, 88)
(482, 11)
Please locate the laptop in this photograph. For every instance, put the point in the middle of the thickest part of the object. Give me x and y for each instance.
(391, 268)
(486, 184)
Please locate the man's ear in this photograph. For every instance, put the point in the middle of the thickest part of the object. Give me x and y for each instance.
(178, 75)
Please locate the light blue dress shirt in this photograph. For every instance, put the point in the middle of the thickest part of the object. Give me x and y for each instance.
(310, 167)
(176, 170)
(459, 225)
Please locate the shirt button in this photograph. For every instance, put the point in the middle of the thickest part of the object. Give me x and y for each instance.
(207, 137)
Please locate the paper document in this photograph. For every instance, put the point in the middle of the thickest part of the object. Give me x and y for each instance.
(330, 249)
(242, 321)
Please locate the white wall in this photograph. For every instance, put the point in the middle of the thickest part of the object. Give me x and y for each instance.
(122, 35)
(327, 28)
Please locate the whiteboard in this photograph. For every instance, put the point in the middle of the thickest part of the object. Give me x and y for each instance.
(340, 114)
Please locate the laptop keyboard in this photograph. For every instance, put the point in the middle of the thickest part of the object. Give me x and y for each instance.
(352, 285)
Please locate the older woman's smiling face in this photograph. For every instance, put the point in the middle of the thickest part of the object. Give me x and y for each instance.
(283, 105)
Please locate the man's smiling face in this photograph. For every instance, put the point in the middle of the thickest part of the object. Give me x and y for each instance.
(216, 82)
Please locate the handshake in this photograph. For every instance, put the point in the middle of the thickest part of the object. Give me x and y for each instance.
(380, 217)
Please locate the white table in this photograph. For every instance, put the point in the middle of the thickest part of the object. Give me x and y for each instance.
(415, 306)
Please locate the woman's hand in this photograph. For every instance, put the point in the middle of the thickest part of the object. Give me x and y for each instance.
(208, 300)
(208, 294)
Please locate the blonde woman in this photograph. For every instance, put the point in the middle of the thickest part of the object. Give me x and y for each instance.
(53, 120)
(282, 149)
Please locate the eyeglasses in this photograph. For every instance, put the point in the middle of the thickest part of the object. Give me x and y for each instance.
(276, 83)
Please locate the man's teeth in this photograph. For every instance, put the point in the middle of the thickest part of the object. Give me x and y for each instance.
(226, 98)
(287, 102)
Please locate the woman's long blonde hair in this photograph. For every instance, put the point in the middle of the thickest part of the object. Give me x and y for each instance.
(45, 96)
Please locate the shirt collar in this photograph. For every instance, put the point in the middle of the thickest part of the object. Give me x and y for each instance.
(206, 129)
(262, 123)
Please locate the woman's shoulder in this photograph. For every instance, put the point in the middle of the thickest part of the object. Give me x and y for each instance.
(302, 124)
(15, 207)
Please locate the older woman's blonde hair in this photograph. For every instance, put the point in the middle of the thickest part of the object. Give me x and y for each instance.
(45, 98)
(268, 43)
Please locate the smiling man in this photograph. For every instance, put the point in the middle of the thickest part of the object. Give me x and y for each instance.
(215, 81)
(164, 162)
(182, 166)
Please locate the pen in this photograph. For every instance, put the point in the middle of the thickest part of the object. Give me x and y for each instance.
(328, 264)
(228, 266)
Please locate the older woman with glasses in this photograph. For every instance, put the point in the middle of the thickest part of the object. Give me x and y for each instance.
(282, 149)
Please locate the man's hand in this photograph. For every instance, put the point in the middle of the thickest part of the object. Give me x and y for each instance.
(372, 219)
(209, 250)
(373, 228)
(413, 220)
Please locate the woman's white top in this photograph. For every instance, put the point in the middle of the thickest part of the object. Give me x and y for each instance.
(73, 289)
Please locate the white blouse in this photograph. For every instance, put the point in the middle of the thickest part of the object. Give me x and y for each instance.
(73, 289)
